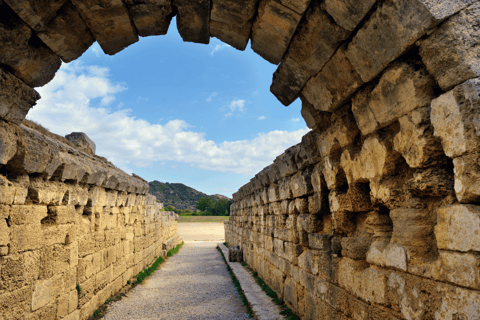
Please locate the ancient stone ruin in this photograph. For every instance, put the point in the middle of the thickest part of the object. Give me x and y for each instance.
(374, 215)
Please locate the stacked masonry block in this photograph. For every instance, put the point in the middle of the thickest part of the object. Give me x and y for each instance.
(374, 215)
(70, 221)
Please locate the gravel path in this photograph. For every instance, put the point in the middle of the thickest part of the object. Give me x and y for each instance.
(193, 284)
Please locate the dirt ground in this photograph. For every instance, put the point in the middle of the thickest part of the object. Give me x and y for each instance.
(185, 218)
(201, 231)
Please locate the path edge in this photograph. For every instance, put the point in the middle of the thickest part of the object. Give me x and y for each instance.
(262, 305)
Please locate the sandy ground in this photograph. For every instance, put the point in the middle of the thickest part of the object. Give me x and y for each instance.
(201, 231)
(192, 285)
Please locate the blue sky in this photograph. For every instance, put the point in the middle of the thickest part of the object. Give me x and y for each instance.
(173, 111)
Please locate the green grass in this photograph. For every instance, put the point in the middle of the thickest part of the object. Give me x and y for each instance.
(226, 244)
(190, 218)
(237, 285)
(100, 312)
(173, 251)
(272, 294)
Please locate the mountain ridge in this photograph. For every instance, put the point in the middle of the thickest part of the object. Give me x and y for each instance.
(179, 195)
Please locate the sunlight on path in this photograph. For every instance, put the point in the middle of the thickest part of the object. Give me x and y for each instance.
(193, 284)
(201, 231)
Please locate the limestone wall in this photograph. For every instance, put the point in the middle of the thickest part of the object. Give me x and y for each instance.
(375, 214)
(68, 219)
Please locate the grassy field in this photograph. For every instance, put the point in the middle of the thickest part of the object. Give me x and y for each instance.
(188, 218)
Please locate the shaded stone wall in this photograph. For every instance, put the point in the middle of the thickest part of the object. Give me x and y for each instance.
(374, 215)
(69, 218)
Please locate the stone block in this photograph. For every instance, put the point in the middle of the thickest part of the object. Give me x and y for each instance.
(320, 242)
(467, 178)
(452, 53)
(415, 140)
(317, 204)
(193, 20)
(376, 159)
(290, 292)
(26, 55)
(434, 182)
(458, 228)
(310, 223)
(355, 248)
(82, 142)
(231, 21)
(109, 22)
(316, 40)
(455, 118)
(369, 284)
(458, 301)
(334, 85)
(403, 87)
(26, 237)
(356, 199)
(17, 99)
(152, 17)
(387, 255)
(413, 230)
(301, 184)
(46, 291)
(273, 29)
(235, 254)
(348, 13)
(396, 22)
(458, 268)
(8, 191)
(66, 34)
(341, 132)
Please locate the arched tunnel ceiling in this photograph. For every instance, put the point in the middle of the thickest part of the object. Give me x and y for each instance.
(327, 50)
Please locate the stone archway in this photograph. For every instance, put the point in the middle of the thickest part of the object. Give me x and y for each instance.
(373, 214)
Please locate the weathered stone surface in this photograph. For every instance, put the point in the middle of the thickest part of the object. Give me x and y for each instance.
(356, 199)
(58, 24)
(454, 267)
(320, 242)
(316, 40)
(348, 13)
(151, 17)
(273, 29)
(376, 158)
(231, 21)
(452, 52)
(416, 142)
(355, 248)
(387, 255)
(467, 178)
(82, 141)
(36, 14)
(193, 20)
(310, 223)
(16, 99)
(455, 117)
(334, 85)
(109, 22)
(433, 182)
(458, 228)
(396, 22)
(366, 283)
(413, 230)
(340, 133)
(314, 119)
(401, 89)
(28, 58)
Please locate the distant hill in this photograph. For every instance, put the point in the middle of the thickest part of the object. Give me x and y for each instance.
(179, 195)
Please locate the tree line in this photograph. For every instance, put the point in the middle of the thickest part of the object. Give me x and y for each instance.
(207, 207)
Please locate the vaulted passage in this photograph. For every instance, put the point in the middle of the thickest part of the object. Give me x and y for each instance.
(374, 215)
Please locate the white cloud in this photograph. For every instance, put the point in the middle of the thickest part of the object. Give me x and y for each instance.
(78, 99)
(256, 93)
(214, 94)
(219, 47)
(97, 50)
(262, 118)
(295, 119)
(234, 106)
